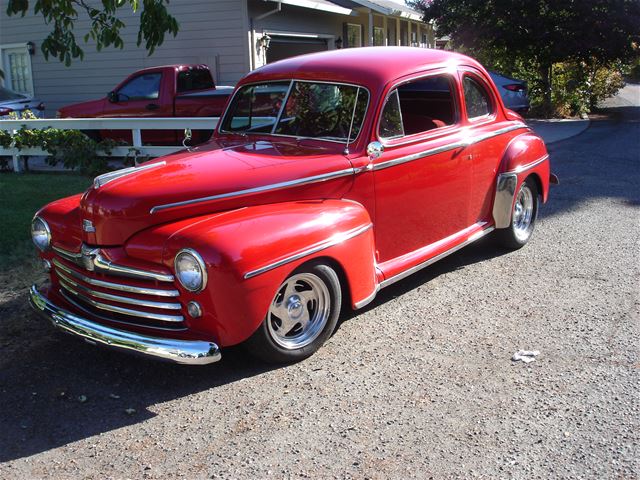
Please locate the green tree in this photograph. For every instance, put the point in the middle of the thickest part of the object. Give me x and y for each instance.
(104, 24)
(540, 33)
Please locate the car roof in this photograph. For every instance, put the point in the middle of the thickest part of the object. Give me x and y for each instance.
(371, 67)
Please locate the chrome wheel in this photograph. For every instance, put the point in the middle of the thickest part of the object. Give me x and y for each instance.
(523, 212)
(299, 311)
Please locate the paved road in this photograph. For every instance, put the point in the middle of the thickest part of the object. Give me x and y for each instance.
(418, 385)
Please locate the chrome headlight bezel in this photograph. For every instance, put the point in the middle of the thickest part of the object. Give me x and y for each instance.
(45, 234)
(197, 261)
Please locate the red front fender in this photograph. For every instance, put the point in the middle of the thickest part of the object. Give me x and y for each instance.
(250, 251)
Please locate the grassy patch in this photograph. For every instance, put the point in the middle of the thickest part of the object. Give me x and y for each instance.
(20, 197)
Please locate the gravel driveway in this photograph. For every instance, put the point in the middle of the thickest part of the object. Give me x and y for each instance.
(420, 384)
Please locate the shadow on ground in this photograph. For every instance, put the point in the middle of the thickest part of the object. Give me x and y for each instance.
(602, 162)
(46, 375)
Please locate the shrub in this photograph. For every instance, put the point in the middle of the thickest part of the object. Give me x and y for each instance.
(72, 148)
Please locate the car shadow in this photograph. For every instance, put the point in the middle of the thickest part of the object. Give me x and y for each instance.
(56, 389)
(477, 252)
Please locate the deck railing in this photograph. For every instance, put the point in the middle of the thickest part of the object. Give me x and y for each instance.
(135, 125)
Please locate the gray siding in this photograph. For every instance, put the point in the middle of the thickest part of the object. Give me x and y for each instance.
(209, 29)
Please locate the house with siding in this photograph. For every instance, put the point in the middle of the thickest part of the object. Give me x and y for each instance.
(233, 37)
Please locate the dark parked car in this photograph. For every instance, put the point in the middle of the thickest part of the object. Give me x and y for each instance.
(14, 102)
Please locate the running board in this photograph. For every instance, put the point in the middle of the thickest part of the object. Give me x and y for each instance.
(402, 275)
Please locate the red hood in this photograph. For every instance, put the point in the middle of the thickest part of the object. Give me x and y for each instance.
(91, 108)
(125, 206)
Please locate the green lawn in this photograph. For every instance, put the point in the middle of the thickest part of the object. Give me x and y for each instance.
(21, 195)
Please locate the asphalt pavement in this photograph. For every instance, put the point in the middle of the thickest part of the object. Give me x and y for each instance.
(418, 385)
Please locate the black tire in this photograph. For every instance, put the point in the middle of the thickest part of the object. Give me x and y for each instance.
(523, 217)
(313, 291)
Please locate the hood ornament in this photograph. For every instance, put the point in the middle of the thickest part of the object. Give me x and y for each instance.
(88, 257)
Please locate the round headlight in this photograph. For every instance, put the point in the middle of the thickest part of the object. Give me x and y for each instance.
(191, 270)
(40, 233)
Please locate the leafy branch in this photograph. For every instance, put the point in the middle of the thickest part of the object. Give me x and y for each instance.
(105, 26)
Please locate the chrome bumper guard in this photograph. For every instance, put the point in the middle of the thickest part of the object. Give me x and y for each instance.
(191, 352)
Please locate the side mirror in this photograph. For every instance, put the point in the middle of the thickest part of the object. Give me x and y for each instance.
(112, 96)
(374, 150)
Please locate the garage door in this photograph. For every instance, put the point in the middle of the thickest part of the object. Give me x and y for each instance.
(284, 47)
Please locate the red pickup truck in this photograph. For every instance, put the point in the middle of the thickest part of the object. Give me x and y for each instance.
(166, 91)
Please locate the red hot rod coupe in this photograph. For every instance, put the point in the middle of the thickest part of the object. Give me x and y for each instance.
(329, 177)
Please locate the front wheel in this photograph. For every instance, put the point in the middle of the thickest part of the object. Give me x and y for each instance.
(523, 217)
(302, 316)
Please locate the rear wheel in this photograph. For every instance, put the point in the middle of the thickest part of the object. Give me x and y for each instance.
(301, 317)
(523, 217)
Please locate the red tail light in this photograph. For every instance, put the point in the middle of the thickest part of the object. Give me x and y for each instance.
(515, 87)
(40, 106)
(5, 111)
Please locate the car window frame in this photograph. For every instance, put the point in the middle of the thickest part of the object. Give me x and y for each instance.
(427, 134)
(480, 80)
(127, 82)
(291, 82)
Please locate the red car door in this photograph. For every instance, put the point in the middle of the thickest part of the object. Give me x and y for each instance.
(421, 181)
(146, 95)
(483, 120)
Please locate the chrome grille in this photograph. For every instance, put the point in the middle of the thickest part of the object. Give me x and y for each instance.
(105, 292)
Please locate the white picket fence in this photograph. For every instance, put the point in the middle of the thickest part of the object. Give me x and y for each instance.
(135, 125)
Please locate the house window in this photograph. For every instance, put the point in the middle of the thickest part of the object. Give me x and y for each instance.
(425, 41)
(354, 35)
(378, 36)
(16, 65)
(414, 39)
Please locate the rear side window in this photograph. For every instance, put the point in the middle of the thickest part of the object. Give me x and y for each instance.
(476, 99)
(194, 79)
(142, 87)
(419, 106)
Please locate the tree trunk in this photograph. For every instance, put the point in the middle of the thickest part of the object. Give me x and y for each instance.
(545, 72)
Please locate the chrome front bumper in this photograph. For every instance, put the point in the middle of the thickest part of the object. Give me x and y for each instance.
(191, 352)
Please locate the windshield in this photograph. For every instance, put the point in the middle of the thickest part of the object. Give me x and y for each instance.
(6, 94)
(296, 108)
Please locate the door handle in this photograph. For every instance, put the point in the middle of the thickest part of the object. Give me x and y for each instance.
(152, 106)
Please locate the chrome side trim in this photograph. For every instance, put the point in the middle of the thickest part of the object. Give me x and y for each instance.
(522, 168)
(419, 155)
(274, 186)
(66, 282)
(116, 286)
(450, 146)
(124, 311)
(100, 263)
(336, 239)
(105, 178)
(503, 201)
(192, 352)
(412, 270)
